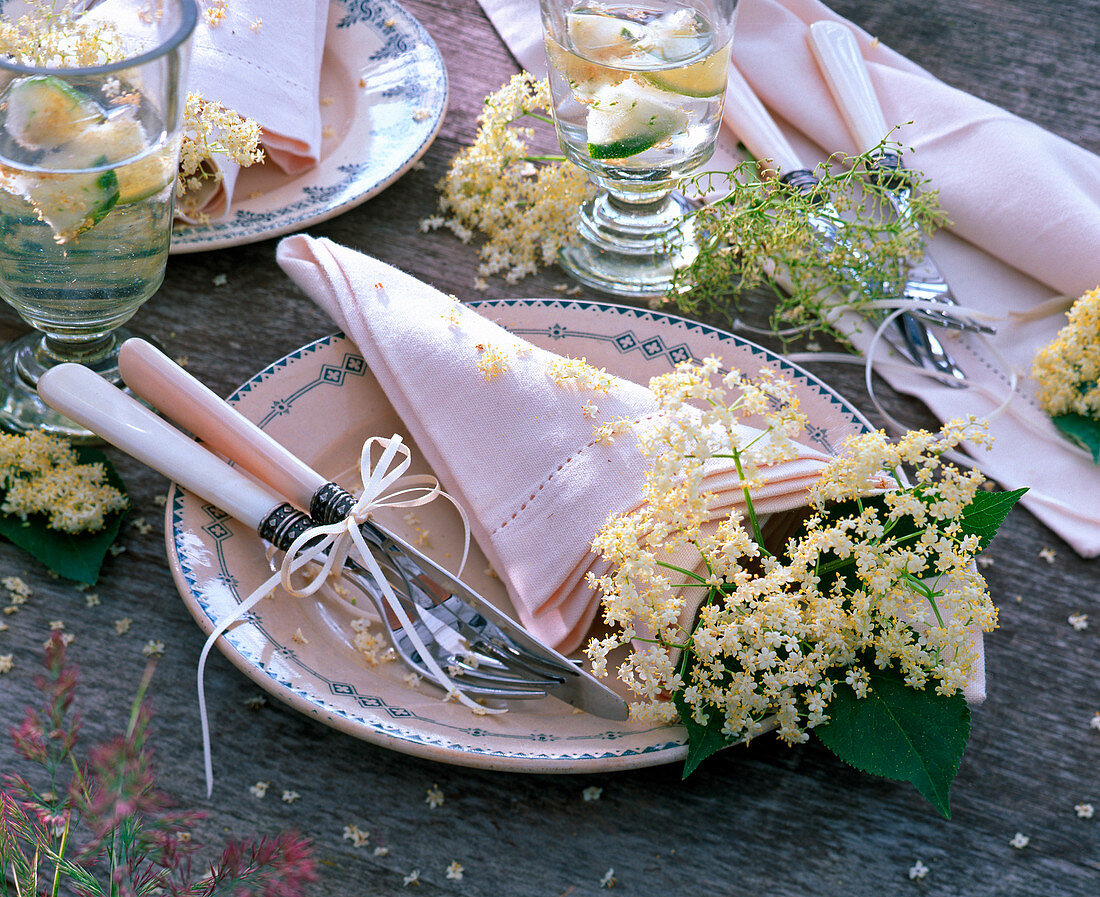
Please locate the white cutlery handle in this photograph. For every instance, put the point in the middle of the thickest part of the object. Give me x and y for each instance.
(835, 48)
(754, 126)
(182, 398)
(92, 402)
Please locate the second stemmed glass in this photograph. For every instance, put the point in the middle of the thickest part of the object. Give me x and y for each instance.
(89, 148)
(637, 91)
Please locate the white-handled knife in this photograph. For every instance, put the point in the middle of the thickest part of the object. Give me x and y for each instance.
(845, 71)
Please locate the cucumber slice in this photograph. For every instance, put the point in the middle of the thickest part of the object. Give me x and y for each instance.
(600, 37)
(630, 117)
(117, 140)
(44, 112)
(706, 78)
(71, 203)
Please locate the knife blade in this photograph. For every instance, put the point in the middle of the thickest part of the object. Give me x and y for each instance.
(834, 47)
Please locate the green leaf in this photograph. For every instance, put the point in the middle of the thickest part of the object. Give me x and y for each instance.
(76, 556)
(901, 733)
(702, 740)
(1082, 431)
(985, 514)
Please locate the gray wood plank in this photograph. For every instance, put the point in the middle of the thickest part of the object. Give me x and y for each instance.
(758, 820)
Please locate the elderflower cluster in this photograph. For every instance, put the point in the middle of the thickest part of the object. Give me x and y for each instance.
(210, 129)
(527, 212)
(862, 584)
(49, 35)
(1068, 370)
(41, 474)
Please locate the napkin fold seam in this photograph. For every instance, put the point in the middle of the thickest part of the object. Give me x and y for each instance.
(575, 457)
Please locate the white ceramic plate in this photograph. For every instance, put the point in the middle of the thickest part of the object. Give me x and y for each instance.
(322, 402)
(379, 130)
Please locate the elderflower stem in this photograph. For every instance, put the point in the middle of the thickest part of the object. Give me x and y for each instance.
(757, 535)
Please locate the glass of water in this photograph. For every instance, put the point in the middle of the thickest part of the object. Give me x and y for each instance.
(637, 90)
(89, 149)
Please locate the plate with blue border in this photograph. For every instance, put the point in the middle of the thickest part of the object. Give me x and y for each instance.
(384, 94)
(322, 402)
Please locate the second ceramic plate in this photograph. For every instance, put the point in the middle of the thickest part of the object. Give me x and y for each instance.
(387, 88)
(301, 650)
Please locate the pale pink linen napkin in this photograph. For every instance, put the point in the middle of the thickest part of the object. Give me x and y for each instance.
(517, 450)
(262, 59)
(1025, 212)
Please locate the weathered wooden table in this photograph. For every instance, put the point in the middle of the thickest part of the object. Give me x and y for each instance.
(763, 820)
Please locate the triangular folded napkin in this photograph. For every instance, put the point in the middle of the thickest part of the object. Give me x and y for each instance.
(515, 450)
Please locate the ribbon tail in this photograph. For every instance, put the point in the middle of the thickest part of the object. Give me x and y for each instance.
(244, 607)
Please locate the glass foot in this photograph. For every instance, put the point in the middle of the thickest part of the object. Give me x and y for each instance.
(629, 248)
(22, 362)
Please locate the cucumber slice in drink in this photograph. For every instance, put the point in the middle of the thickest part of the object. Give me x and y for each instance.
(601, 38)
(118, 140)
(706, 78)
(628, 118)
(71, 202)
(43, 112)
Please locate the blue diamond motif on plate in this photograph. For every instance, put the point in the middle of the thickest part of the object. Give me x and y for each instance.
(626, 341)
(398, 712)
(370, 701)
(342, 688)
(353, 364)
(653, 347)
(679, 354)
(332, 374)
(214, 513)
(218, 531)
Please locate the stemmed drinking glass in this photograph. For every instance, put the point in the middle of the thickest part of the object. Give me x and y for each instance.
(637, 90)
(88, 159)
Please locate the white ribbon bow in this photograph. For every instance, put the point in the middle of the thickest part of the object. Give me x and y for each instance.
(382, 487)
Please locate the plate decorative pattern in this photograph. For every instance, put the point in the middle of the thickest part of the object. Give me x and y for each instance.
(389, 90)
(216, 562)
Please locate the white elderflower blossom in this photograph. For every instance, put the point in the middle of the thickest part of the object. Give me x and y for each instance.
(775, 634)
(526, 212)
(1068, 370)
(41, 474)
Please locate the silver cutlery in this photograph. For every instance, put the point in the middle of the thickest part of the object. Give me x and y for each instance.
(845, 71)
(485, 653)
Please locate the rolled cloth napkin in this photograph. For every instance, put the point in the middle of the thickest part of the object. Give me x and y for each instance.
(516, 451)
(1024, 206)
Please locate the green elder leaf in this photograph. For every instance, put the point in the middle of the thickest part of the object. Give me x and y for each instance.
(702, 740)
(1084, 431)
(985, 514)
(76, 556)
(901, 733)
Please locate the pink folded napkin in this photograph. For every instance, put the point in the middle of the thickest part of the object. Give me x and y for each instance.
(263, 60)
(1025, 211)
(516, 450)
